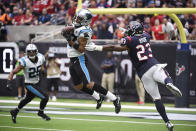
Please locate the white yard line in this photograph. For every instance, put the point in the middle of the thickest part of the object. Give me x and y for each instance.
(28, 128)
(96, 120)
(104, 105)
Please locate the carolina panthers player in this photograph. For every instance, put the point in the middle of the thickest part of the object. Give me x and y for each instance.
(32, 64)
(148, 68)
(78, 69)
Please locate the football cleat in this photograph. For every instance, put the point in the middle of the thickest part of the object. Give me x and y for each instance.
(170, 126)
(174, 89)
(44, 116)
(14, 114)
(99, 102)
(117, 105)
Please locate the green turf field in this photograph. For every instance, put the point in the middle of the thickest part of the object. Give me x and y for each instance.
(87, 118)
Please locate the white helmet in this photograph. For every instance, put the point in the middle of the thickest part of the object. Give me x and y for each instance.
(31, 51)
(82, 18)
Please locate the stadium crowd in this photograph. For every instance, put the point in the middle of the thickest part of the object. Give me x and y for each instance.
(61, 12)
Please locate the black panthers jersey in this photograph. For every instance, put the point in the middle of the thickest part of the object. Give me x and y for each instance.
(140, 52)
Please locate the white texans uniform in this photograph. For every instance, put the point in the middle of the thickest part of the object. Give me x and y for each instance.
(83, 31)
(31, 70)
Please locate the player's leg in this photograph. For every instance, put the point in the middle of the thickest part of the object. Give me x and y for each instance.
(76, 76)
(49, 86)
(151, 87)
(55, 84)
(35, 89)
(162, 76)
(29, 96)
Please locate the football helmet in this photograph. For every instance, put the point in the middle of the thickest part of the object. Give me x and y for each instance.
(135, 29)
(82, 18)
(31, 51)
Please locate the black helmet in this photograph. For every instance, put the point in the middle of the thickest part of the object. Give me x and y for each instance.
(135, 28)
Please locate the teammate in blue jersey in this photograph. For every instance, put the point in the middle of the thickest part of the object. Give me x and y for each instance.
(32, 64)
(150, 71)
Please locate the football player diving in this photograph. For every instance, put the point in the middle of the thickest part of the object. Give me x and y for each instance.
(32, 64)
(77, 44)
(150, 71)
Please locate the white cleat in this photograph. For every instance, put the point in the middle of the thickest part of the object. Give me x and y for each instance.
(170, 126)
(174, 89)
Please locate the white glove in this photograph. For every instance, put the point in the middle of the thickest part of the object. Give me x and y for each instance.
(92, 47)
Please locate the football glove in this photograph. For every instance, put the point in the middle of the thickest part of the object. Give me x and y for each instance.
(9, 86)
(66, 35)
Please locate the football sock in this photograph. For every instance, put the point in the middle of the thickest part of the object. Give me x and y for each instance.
(111, 96)
(168, 80)
(161, 109)
(100, 89)
(95, 95)
(43, 103)
(87, 90)
(23, 102)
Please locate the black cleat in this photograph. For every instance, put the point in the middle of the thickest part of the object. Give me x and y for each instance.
(44, 116)
(117, 105)
(99, 102)
(14, 114)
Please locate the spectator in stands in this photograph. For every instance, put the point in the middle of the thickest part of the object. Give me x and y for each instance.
(28, 18)
(108, 66)
(44, 19)
(5, 17)
(119, 33)
(15, 11)
(188, 22)
(103, 4)
(147, 26)
(62, 17)
(193, 34)
(54, 7)
(168, 29)
(72, 9)
(157, 32)
(36, 7)
(3, 32)
(17, 20)
(177, 34)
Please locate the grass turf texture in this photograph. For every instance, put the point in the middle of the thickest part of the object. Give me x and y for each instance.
(30, 121)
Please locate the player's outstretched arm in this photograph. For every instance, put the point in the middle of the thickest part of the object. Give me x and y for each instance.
(115, 48)
(16, 70)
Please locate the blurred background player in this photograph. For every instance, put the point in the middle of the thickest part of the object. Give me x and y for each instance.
(53, 73)
(108, 66)
(140, 90)
(78, 69)
(32, 64)
(20, 79)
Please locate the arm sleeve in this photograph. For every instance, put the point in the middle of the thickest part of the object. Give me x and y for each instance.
(22, 62)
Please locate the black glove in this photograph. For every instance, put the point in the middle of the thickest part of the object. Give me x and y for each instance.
(66, 35)
(9, 86)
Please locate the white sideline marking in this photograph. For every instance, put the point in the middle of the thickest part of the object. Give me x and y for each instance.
(143, 115)
(90, 120)
(103, 105)
(34, 128)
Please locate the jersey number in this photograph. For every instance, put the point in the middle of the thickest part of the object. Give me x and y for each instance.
(33, 72)
(141, 52)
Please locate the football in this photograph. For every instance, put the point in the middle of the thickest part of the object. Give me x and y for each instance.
(68, 30)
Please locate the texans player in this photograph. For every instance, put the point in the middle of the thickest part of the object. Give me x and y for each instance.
(151, 72)
(32, 64)
(78, 69)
